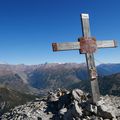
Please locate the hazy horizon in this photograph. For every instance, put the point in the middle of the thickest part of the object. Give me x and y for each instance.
(57, 63)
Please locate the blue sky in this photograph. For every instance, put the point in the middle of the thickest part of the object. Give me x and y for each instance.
(28, 27)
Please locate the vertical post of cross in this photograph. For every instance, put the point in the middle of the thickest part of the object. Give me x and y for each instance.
(90, 59)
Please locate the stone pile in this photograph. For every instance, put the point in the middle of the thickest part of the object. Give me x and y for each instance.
(67, 105)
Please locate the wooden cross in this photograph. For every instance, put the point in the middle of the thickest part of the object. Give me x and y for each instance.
(87, 45)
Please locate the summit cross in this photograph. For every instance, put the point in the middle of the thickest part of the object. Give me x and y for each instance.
(87, 45)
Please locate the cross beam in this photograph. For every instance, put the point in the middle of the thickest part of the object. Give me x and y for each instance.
(88, 46)
(76, 45)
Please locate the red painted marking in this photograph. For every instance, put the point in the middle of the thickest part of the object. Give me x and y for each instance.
(88, 45)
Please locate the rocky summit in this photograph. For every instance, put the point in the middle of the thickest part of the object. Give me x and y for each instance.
(67, 105)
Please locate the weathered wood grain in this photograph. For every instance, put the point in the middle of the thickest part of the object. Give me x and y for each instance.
(76, 45)
(106, 44)
(90, 60)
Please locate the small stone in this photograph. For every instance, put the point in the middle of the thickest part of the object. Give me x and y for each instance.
(63, 111)
(78, 95)
(39, 118)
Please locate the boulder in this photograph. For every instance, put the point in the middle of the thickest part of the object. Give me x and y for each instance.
(107, 108)
(78, 95)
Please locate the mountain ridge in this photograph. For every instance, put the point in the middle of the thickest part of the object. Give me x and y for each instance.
(36, 79)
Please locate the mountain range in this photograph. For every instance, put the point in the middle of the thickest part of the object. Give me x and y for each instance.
(22, 83)
(38, 79)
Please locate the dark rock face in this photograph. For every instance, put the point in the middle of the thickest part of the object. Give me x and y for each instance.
(67, 105)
